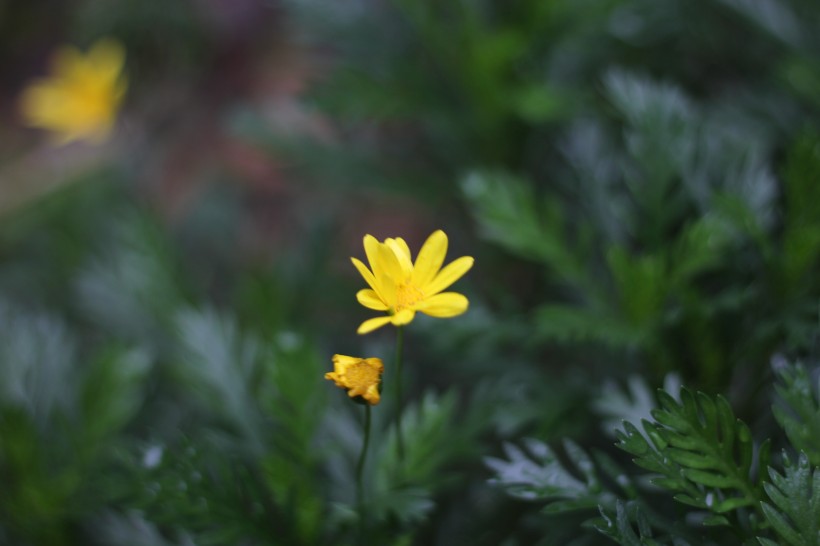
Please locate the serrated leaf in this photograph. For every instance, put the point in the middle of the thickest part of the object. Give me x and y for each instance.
(219, 361)
(632, 405)
(508, 213)
(690, 459)
(671, 420)
(538, 474)
(794, 511)
(632, 441)
(658, 438)
(562, 506)
(704, 454)
(37, 363)
(678, 441)
(621, 527)
(686, 499)
(673, 484)
(798, 410)
(728, 505)
(710, 479)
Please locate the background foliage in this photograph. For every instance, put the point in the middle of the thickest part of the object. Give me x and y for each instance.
(638, 182)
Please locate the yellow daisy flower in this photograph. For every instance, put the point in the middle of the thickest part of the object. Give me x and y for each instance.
(401, 287)
(360, 376)
(80, 100)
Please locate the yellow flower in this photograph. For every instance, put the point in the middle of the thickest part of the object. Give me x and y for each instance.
(401, 287)
(81, 98)
(360, 376)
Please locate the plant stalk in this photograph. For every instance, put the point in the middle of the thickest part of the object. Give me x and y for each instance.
(360, 465)
(399, 347)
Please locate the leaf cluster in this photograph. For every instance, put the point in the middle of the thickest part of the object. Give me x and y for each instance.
(724, 486)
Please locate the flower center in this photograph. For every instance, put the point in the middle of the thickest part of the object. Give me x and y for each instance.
(361, 374)
(407, 295)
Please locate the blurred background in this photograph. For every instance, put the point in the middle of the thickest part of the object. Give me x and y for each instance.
(639, 182)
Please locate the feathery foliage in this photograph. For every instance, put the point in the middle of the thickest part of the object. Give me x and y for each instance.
(798, 412)
(697, 454)
(794, 511)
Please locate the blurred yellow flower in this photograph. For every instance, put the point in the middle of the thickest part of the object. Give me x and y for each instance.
(80, 100)
(401, 287)
(360, 376)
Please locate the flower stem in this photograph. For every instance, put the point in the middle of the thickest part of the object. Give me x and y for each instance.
(399, 347)
(360, 464)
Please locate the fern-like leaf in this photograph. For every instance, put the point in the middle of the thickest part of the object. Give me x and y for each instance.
(621, 527)
(538, 474)
(616, 406)
(702, 453)
(510, 213)
(794, 511)
(799, 411)
(403, 487)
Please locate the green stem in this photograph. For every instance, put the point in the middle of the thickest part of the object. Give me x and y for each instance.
(399, 435)
(360, 464)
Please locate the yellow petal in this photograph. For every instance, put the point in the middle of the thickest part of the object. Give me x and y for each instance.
(389, 264)
(404, 248)
(356, 391)
(430, 258)
(448, 275)
(371, 249)
(372, 395)
(364, 272)
(342, 362)
(402, 254)
(383, 284)
(40, 104)
(371, 324)
(375, 363)
(444, 305)
(336, 378)
(370, 299)
(405, 316)
(337, 358)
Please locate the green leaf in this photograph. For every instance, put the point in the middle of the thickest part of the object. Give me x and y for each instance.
(711, 479)
(38, 355)
(794, 510)
(631, 440)
(642, 285)
(434, 439)
(731, 504)
(218, 363)
(798, 409)
(702, 454)
(112, 394)
(690, 459)
(509, 212)
(622, 527)
(538, 474)
(131, 289)
(617, 406)
(699, 248)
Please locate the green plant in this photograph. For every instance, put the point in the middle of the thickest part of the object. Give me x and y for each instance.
(708, 480)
